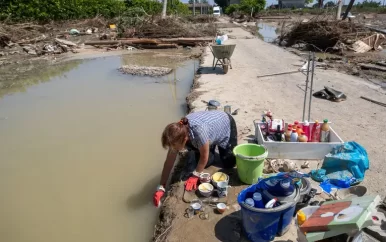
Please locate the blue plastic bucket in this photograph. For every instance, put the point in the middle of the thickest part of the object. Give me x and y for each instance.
(261, 225)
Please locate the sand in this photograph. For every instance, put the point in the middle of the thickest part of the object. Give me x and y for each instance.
(354, 120)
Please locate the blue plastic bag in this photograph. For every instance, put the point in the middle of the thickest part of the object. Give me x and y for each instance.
(344, 164)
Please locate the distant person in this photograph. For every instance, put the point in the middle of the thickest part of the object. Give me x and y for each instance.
(200, 132)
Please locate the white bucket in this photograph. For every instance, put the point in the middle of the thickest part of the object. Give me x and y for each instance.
(308, 211)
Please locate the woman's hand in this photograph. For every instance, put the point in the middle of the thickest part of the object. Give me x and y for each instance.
(158, 195)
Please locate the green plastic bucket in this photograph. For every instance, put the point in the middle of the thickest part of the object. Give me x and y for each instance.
(250, 161)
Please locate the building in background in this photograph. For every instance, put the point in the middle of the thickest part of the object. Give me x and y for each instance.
(291, 3)
(206, 8)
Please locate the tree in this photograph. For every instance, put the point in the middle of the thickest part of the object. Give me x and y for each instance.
(222, 3)
(369, 4)
(329, 4)
(254, 6)
(191, 1)
(164, 7)
(308, 2)
(232, 8)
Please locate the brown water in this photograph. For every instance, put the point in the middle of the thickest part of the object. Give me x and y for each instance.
(81, 153)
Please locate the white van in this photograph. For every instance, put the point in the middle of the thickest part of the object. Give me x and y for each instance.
(216, 11)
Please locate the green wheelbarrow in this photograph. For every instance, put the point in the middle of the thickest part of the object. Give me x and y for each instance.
(223, 55)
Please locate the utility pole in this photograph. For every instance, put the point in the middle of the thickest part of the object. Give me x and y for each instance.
(348, 9)
(164, 8)
(194, 7)
(201, 7)
(339, 11)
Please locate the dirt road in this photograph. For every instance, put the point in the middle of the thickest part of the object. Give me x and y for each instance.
(353, 119)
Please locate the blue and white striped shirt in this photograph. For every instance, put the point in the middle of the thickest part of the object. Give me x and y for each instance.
(212, 126)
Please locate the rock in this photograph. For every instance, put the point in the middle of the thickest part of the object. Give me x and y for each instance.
(145, 70)
(301, 46)
(95, 30)
(89, 31)
(64, 48)
(49, 48)
(283, 43)
(65, 42)
(30, 50)
(2, 53)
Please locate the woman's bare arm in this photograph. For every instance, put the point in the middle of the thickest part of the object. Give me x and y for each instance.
(168, 165)
(204, 156)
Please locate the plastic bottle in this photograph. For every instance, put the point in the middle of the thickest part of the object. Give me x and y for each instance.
(294, 136)
(299, 129)
(325, 132)
(302, 137)
(278, 134)
(301, 216)
(258, 200)
(315, 134)
(250, 202)
(271, 203)
(295, 126)
(287, 134)
(306, 129)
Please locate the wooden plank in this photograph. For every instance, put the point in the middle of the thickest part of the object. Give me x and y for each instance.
(372, 67)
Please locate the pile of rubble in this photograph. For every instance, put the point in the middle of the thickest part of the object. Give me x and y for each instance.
(327, 35)
(145, 70)
(57, 38)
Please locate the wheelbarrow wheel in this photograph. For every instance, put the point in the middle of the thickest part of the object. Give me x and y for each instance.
(225, 66)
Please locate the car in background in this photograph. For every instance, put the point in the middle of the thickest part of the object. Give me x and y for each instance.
(216, 11)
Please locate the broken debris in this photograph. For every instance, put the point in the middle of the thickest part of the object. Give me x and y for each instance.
(145, 70)
(331, 94)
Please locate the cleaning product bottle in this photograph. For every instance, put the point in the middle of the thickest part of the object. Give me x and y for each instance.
(287, 134)
(299, 129)
(325, 132)
(303, 137)
(294, 136)
(271, 203)
(306, 129)
(258, 200)
(295, 126)
(301, 216)
(315, 134)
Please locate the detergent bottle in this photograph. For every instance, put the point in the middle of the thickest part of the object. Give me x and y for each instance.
(325, 132)
(294, 136)
(287, 134)
(301, 216)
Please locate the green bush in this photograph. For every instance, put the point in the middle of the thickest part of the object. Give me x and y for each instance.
(232, 8)
(177, 7)
(149, 6)
(248, 5)
(44, 10)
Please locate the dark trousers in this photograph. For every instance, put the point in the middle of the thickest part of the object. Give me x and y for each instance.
(227, 157)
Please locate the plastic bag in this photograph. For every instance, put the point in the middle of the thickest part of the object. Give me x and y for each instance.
(344, 164)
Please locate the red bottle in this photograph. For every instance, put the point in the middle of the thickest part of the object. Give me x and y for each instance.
(315, 134)
(306, 130)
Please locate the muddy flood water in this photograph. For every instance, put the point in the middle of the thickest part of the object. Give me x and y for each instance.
(81, 152)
